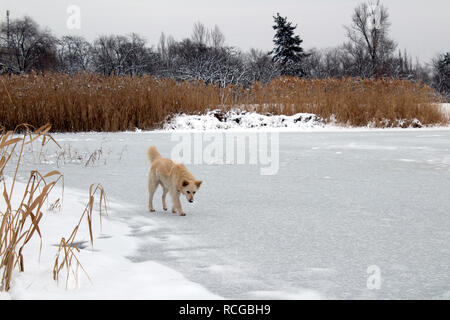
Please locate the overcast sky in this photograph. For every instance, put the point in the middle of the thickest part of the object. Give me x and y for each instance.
(421, 27)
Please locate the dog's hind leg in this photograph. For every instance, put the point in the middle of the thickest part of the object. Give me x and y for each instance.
(165, 190)
(152, 185)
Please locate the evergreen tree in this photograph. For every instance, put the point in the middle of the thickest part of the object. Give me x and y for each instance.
(442, 74)
(287, 52)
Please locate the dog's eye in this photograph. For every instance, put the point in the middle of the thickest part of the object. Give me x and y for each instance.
(188, 191)
(193, 192)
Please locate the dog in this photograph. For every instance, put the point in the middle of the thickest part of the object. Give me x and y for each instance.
(174, 178)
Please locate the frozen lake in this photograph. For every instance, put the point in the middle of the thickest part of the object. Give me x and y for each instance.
(340, 202)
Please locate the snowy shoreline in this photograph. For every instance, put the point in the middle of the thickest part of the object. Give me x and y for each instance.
(239, 120)
(112, 275)
(326, 129)
(243, 121)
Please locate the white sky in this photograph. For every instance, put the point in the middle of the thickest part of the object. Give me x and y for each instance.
(421, 27)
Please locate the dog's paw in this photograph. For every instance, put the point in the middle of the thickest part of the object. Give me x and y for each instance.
(174, 211)
(165, 209)
(182, 214)
(152, 210)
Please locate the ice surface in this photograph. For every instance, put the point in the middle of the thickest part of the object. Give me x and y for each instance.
(340, 202)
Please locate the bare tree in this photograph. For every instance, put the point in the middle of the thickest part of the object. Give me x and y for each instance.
(138, 61)
(74, 54)
(261, 66)
(30, 47)
(121, 55)
(163, 60)
(368, 35)
(189, 60)
(356, 61)
(325, 63)
(217, 37)
(200, 34)
(162, 46)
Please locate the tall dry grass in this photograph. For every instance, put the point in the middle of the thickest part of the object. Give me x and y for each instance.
(66, 258)
(88, 102)
(19, 222)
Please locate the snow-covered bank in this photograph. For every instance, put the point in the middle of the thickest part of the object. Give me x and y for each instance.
(112, 275)
(239, 120)
(236, 119)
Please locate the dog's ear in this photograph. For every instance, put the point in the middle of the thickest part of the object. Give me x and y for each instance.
(198, 183)
(185, 183)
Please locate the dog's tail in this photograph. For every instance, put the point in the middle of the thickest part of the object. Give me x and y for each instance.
(153, 154)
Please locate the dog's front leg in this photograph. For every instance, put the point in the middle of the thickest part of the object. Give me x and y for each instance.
(176, 203)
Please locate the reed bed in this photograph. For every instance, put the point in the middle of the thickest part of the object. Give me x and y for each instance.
(90, 102)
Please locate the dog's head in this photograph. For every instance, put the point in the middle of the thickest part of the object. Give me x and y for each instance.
(189, 188)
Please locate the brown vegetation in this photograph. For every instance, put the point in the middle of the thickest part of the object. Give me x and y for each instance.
(19, 225)
(89, 102)
(19, 222)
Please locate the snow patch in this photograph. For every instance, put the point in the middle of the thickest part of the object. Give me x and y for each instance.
(237, 119)
(445, 107)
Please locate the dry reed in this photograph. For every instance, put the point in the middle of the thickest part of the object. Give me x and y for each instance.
(18, 226)
(66, 257)
(90, 102)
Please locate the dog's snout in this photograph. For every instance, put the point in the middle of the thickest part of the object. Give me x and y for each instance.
(191, 200)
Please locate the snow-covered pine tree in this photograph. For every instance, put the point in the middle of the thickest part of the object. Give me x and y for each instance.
(442, 74)
(287, 52)
(445, 72)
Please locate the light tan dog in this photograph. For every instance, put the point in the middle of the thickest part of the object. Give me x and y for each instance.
(173, 177)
